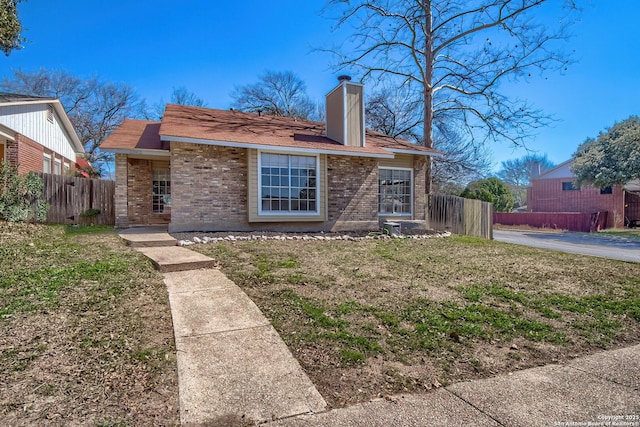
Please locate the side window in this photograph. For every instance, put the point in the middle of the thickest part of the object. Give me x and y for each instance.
(606, 190)
(46, 164)
(395, 191)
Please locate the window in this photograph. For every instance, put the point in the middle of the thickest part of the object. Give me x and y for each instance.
(161, 190)
(568, 186)
(606, 190)
(66, 167)
(288, 184)
(57, 167)
(46, 164)
(395, 191)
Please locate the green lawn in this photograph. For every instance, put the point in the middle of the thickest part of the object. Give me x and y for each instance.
(86, 335)
(632, 233)
(383, 316)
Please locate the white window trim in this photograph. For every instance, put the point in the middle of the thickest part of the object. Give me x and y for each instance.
(391, 214)
(57, 163)
(318, 210)
(47, 158)
(164, 204)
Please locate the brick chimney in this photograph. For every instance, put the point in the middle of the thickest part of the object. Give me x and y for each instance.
(345, 113)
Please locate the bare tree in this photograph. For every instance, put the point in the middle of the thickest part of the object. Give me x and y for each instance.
(181, 96)
(394, 112)
(94, 107)
(398, 114)
(517, 174)
(277, 93)
(455, 53)
(10, 26)
(462, 160)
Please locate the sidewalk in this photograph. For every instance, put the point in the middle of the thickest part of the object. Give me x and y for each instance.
(589, 391)
(235, 370)
(233, 367)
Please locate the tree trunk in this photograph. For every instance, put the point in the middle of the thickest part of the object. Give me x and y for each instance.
(428, 90)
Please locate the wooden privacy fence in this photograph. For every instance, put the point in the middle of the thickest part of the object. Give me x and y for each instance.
(572, 221)
(461, 216)
(79, 200)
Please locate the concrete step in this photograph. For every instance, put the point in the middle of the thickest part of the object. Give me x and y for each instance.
(175, 258)
(152, 243)
(146, 239)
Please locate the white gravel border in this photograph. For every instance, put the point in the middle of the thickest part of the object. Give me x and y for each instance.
(317, 237)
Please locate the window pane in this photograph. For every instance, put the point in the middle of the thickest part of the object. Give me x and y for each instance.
(161, 189)
(394, 191)
(286, 180)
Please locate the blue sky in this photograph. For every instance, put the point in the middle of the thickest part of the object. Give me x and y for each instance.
(210, 46)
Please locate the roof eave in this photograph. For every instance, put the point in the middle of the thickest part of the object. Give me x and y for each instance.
(140, 151)
(274, 147)
(415, 152)
(66, 122)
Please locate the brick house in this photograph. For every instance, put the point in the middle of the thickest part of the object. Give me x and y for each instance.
(36, 135)
(203, 169)
(554, 191)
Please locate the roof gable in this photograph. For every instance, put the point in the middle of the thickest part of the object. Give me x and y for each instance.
(135, 135)
(563, 170)
(13, 99)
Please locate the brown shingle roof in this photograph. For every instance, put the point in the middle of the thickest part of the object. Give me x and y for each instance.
(195, 124)
(135, 134)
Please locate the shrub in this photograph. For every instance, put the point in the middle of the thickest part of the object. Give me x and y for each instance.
(491, 190)
(21, 196)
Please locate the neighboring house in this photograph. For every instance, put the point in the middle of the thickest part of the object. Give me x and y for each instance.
(37, 135)
(554, 191)
(218, 170)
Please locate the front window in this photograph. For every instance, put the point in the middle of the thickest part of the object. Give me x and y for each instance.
(161, 190)
(288, 184)
(57, 167)
(394, 191)
(46, 164)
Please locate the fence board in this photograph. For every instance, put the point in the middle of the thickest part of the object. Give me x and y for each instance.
(461, 216)
(572, 221)
(70, 197)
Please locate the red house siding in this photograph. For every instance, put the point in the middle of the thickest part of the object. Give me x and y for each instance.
(547, 195)
(28, 156)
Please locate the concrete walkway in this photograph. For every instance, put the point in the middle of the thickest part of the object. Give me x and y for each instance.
(589, 391)
(233, 367)
(235, 370)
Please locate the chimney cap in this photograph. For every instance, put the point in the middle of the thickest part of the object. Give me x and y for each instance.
(344, 78)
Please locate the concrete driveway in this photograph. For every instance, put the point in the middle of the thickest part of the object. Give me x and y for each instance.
(592, 244)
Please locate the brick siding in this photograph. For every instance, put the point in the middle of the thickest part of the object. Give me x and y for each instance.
(122, 191)
(138, 194)
(209, 192)
(208, 187)
(546, 195)
(352, 193)
(28, 156)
